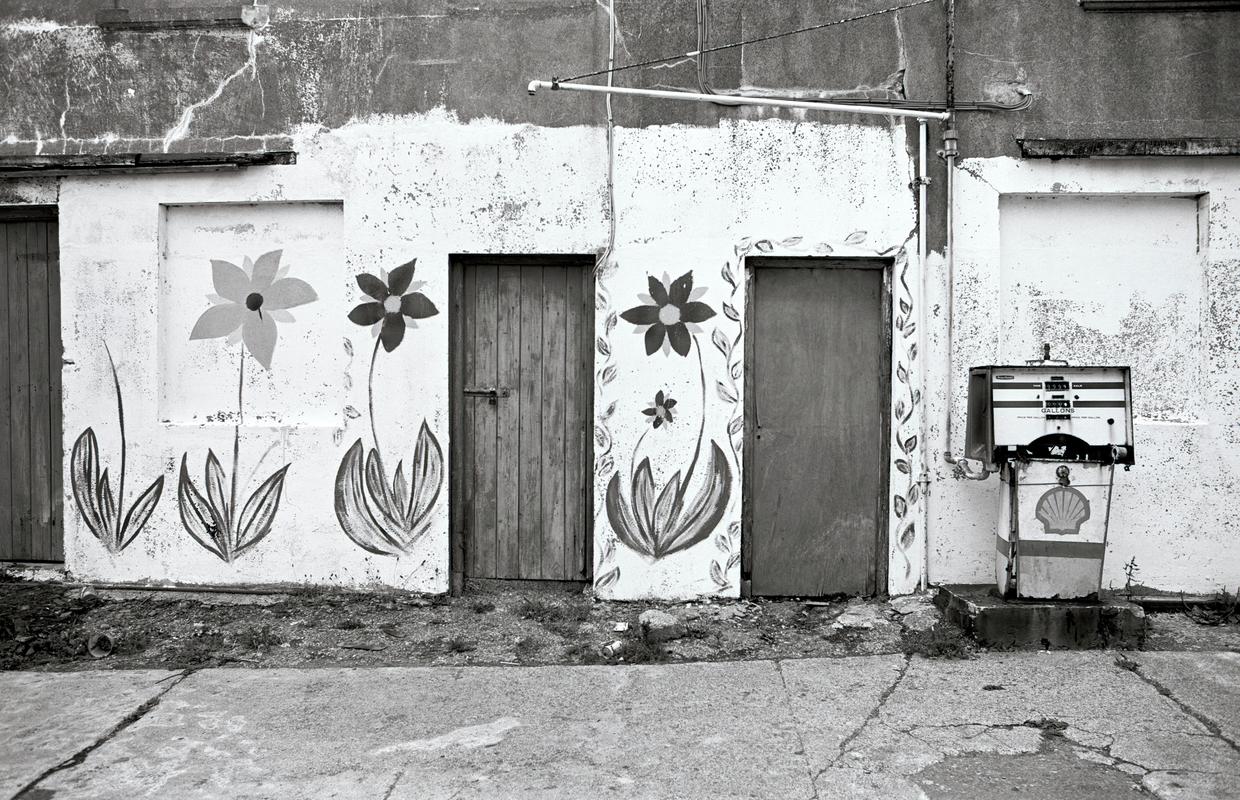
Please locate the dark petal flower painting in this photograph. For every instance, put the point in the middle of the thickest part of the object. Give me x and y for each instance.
(666, 317)
(392, 305)
(382, 517)
(661, 412)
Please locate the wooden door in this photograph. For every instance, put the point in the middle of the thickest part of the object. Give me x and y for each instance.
(30, 423)
(521, 414)
(817, 357)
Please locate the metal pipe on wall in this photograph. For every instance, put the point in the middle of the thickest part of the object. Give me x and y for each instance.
(735, 100)
(923, 479)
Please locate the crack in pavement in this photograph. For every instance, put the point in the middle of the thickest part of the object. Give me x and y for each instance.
(873, 715)
(29, 790)
(1134, 667)
(796, 727)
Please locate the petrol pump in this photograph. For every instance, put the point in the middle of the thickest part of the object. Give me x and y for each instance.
(1055, 434)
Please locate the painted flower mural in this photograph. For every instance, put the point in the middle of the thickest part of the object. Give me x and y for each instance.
(248, 302)
(659, 522)
(382, 517)
(103, 513)
(668, 310)
(661, 412)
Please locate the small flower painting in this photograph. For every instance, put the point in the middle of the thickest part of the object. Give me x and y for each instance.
(394, 306)
(661, 412)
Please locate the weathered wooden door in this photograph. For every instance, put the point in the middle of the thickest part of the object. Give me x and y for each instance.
(31, 524)
(521, 413)
(818, 375)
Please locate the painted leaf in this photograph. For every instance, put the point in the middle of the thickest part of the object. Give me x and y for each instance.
(916, 396)
(907, 537)
(721, 342)
(607, 579)
(764, 245)
(727, 393)
(198, 518)
(105, 503)
(701, 514)
(735, 426)
(903, 466)
(337, 436)
(602, 346)
(722, 543)
(348, 347)
(901, 507)
(400, 487)
(728, 275)
(609, 552)
(716, 574)
(608, 375)
(600, 436)
(905, 307)
(352, 512)
(348, 381)
(855, 238)
(260, 511)
(733, 560)
(898, 411)
(426, 482)
(352, 413)
(914, 492)
(607, 412)
(734, 529)
(910, 444)
(609, 324)
(604, 466)
(822, 248)
(83, 477)
(899, 323)
(736, 371)
(141, 511)
(902, 373)
(215, 488)
(912, 352)
(910, 329)
(731, 313)
(741, 247)
(791, 241)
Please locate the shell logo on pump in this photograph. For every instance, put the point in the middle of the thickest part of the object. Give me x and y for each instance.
(1062, 510)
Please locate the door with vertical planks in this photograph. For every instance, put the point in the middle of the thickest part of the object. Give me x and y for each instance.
(818, 361)
(31, 525)
(521, 413)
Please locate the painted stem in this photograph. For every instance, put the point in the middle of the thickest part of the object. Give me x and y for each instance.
(370, 397)
(697, 450)
(232, 500)
(120, 415)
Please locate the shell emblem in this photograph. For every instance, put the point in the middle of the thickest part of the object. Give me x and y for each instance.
(1062, 510)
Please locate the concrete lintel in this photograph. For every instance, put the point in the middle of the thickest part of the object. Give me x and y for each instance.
(93, 164)
(1127, 148)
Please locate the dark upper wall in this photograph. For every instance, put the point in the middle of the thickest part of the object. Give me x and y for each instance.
(1144, 75)
(329, 61)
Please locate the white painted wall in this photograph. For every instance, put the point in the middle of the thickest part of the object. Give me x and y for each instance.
(1113, 262)
(135, 267)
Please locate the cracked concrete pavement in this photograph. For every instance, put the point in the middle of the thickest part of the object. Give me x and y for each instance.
(1051, 724)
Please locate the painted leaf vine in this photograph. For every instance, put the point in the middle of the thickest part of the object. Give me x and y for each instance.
(105, 514)
(382, 516)
(249, 300)
(905, 497)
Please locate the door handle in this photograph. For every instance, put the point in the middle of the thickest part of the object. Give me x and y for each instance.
(491, 393)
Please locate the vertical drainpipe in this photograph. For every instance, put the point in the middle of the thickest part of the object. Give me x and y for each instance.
(923, 479)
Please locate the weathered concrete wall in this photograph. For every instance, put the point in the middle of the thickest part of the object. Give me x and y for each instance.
(1122, 262)
(136, 269)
